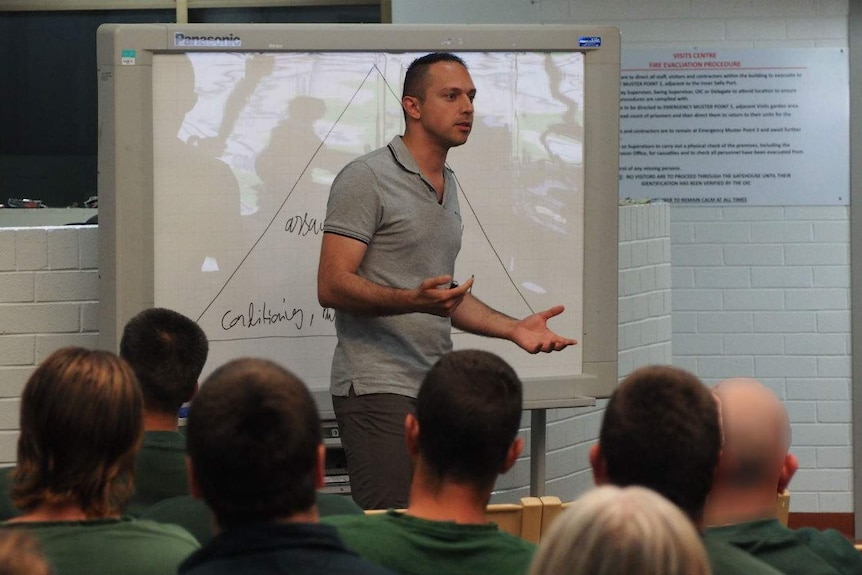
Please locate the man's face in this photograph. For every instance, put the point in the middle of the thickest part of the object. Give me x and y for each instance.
(446, 110)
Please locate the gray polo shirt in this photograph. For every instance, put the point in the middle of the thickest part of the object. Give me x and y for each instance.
(382, 200)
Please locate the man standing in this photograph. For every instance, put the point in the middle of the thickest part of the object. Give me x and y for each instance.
(392, 233)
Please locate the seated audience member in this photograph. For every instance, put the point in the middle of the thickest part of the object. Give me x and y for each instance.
(755, 465)
(81, 424)
(257, 468)
(462, 437)
(167, 351)
(661, 430)
(629, 531)
(20, 554)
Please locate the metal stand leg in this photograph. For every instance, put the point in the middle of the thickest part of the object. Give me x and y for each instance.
(538, 429)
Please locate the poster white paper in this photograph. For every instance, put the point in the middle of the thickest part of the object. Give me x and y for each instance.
(737, 127)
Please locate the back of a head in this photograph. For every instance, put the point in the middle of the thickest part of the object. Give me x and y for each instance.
(167, 352)
(613, 531)
(81, 424)
(469, 410)
(253, 436)
(756, 435)
(661, 430)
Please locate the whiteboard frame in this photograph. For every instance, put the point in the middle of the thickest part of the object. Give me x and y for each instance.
(125, 159)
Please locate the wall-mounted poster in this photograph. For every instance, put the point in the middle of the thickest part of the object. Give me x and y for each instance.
(735, 127)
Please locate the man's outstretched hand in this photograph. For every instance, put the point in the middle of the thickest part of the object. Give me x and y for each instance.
(533, 335)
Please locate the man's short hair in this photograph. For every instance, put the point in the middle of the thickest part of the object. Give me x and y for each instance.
(81, 425)
(416, 77)
(167, 351)
(253, 436)
(661, 430)
(469, 410)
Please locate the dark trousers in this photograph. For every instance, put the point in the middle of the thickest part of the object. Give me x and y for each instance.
(372, 435)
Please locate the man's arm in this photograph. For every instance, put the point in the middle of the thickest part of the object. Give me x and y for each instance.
(341, 288)
(531, 333)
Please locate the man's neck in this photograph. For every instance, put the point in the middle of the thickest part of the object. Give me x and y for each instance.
(732, 506)
(447, 501)
(56, 512)
(155, 421)
(309, 516)
(429, 156)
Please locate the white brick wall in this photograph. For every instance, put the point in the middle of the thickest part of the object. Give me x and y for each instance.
(49, 298)
(644, 338)
(779, 313)
(763, 279)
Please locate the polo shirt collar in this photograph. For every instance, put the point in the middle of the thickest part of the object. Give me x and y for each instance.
(403, 156)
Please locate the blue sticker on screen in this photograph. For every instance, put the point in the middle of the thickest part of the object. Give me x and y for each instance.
(590, 42)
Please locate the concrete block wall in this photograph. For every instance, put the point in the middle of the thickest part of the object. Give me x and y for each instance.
(765, 292)
(49, 298)
(644, 337)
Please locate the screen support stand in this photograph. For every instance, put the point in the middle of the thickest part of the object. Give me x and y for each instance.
(538, 432)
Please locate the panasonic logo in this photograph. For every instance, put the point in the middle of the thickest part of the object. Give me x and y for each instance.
(231, 41)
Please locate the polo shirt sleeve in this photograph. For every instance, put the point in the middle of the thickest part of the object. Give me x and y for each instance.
(354, 208)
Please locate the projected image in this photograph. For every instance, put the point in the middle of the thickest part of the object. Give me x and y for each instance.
(246, 146)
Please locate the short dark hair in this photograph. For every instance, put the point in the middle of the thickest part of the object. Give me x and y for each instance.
(167, 351)
(469, 410)
(81, 426)
(661, 430)
(416, 77)
(253, 436)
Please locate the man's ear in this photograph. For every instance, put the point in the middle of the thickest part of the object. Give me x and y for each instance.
(599, 465)
(788, 470)
(512, 455)
(320, 467)
(194, 487)
(411, 106)
(411, 434)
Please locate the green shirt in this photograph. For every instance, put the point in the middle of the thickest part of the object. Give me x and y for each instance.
(160, 470)
(803, 551)
(111, 546)
(725, 559)
(7, 510)
(413, 546)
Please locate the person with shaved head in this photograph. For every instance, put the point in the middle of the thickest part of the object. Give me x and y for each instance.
(755, 465)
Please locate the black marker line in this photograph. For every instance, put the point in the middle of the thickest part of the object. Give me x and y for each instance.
(290, 193)
(333, 336)
(491, 245)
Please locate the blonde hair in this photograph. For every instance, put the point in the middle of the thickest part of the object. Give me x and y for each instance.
(20, 554)
(631, 531)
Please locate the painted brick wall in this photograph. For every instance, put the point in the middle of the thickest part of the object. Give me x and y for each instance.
(756, 291)
(765, 292)
(49, 298)
(644, 337)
